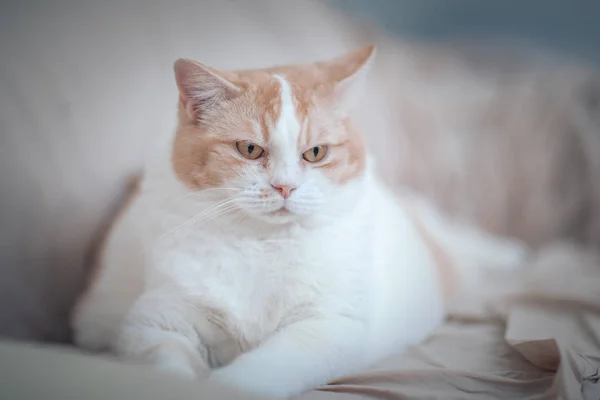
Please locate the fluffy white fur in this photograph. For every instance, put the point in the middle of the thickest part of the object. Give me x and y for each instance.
(213, 283)
(280, 308)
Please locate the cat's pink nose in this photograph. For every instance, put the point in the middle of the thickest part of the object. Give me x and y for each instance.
(285, 190)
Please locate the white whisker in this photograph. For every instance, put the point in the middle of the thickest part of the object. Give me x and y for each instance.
(198, 216)
(197, 193)
(216, 214)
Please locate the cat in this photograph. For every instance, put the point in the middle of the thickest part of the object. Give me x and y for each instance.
(267, 254)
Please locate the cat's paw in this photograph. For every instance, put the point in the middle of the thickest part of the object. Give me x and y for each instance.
(180, 363)
(175, 367)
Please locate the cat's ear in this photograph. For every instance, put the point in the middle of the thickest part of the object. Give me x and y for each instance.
(349, 74)
(201, 88)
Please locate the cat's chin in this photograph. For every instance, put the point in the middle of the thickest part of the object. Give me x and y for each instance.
(282, 216)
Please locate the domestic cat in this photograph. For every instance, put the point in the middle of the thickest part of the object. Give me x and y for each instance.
(267, 254)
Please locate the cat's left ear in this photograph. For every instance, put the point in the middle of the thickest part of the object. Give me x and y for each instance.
(349, 74)
(201, 88)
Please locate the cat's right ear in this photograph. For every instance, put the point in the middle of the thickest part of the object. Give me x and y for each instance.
(201, 88)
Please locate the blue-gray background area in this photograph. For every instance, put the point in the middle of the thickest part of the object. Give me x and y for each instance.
(568, 26)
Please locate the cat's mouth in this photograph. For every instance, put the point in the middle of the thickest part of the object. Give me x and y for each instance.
(282, 211)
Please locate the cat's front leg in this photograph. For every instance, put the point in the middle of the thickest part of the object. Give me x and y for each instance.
(159, 331)
(301, 356)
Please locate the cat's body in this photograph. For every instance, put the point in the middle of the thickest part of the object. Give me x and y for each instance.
(268, 250)
(240, 287)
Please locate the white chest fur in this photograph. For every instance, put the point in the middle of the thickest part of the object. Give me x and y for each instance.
(246, 287)
(365, 282)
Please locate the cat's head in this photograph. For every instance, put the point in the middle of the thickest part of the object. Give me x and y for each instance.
(279, 142)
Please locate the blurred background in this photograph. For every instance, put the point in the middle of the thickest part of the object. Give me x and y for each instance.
(85, 86)
(567, 26)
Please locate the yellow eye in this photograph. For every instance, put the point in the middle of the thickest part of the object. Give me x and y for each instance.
(249, 150)
(315, 154)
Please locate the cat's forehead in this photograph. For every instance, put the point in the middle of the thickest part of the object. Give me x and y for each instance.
(280, 104)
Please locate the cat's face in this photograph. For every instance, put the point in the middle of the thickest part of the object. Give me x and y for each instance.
(278, 142)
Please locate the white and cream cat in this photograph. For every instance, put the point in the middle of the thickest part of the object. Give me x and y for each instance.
(267, 255)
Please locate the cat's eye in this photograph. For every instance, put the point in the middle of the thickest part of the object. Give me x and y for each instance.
(315, 154)
(249, 150)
